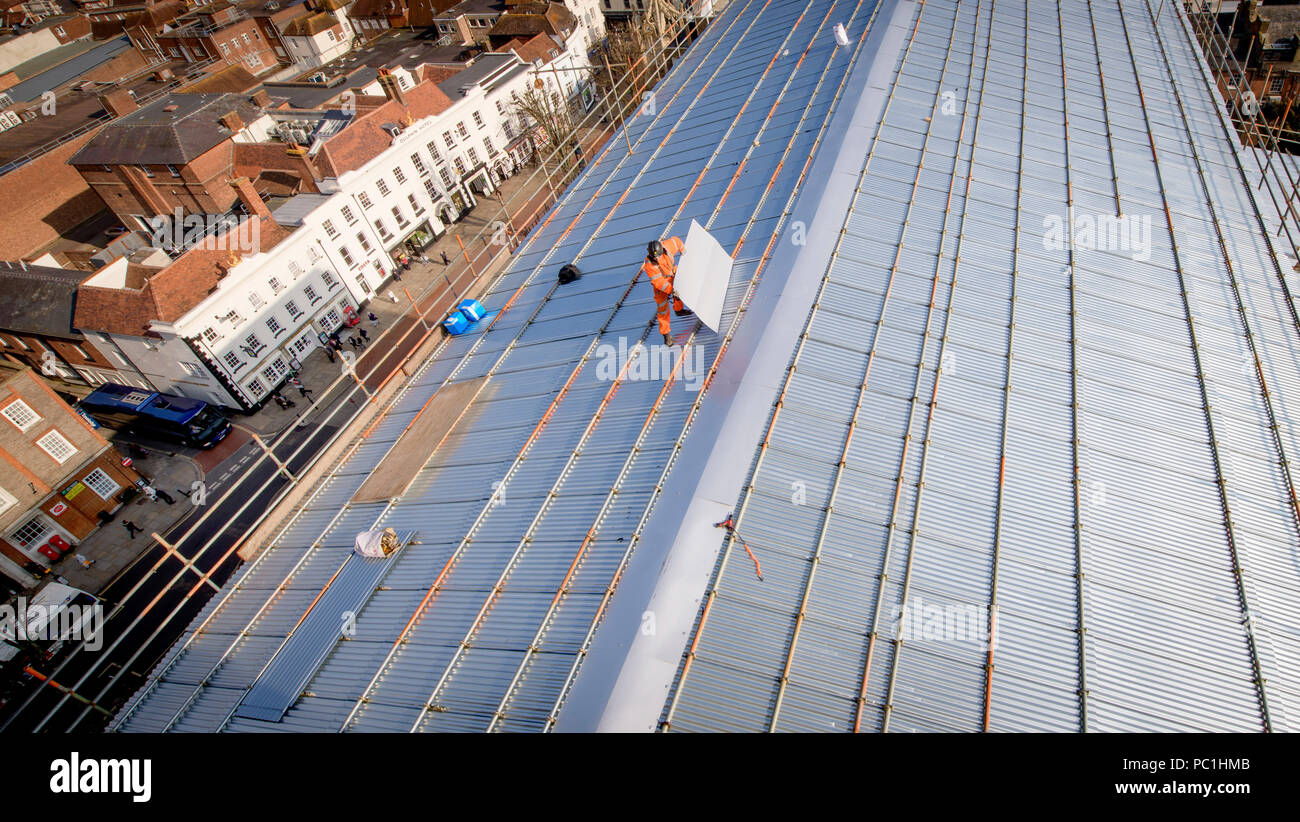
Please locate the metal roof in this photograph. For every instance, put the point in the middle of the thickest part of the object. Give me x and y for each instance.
(1016, 479)
(935, 416)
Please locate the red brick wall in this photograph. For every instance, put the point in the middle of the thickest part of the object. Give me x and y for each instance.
(202, 188)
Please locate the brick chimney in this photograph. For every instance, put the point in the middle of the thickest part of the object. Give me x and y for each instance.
(260, 99)
(118, 103)
(232, 121)
(248, 196)
(392, 88)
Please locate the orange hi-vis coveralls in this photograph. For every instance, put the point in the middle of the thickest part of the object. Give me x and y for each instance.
(661, 273)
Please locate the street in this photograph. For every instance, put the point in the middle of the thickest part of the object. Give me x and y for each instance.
(159, 611)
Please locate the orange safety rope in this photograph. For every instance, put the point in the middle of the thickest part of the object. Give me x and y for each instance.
(730, 524)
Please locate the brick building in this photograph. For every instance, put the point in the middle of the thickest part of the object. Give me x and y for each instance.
(61, 478)
(227, 33)
(36, 330)
(176, 153)
(374, 17)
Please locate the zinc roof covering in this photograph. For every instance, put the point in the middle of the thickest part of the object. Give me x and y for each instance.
(524, 519)
(1010, 477)
(1076, 444)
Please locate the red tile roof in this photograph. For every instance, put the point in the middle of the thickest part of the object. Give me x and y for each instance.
(365, 137)
(165, 294)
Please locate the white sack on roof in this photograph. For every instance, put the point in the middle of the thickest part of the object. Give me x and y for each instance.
(376, 543)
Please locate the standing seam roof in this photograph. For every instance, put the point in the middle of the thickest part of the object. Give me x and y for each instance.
(482, 622)
(1047, 485)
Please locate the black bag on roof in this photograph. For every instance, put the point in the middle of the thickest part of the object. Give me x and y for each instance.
(568, 273)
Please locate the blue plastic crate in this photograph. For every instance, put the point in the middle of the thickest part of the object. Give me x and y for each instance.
(456, 323)
(472, 309)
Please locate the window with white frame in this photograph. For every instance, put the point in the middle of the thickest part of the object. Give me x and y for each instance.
(447, 138)
(57, 446)
(478, 120)
(256, 300)
(329, 280)
(348, 215)
(487, 144)
(311, 294)
(256, 388)
(473, 156)
(431, 189)
(364, 198)
(233, 361)
(328, 225)
(510, 132)
(400, 175)
(31, 531)
(294, 311)
(460, 164)
(273, 325)
(101, 483)
(419, 165)
(347, 256)
(331, 319)
(460, 127)
(21, 415)
(401, 218)
(434, 153)
(276, 285)
(446, 177)
(415, 204)
(382, 185)
(191, 369)
(383, 229)
(365, 243)
(7, 500)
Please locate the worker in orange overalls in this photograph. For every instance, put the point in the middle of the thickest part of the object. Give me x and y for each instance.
(660, 269)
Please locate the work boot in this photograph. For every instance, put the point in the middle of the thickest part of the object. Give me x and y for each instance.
(682, 312)
(668, 340)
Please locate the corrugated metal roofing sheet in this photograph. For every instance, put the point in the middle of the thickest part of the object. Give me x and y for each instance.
(1028, 347)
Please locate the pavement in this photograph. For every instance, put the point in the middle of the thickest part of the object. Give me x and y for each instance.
(111, 547)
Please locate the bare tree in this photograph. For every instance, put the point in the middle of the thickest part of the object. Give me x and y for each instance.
(547, 110)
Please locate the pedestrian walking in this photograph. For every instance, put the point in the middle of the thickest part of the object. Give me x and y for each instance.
(373, 319)
(392, 296)
(86, 562)
(131, 527)
(424, 258)
(397, 276)
(282, 401)
(305, 391)
(329, 352)
(166, 497)
(365, 338)
(150, 492)
(445, 261)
